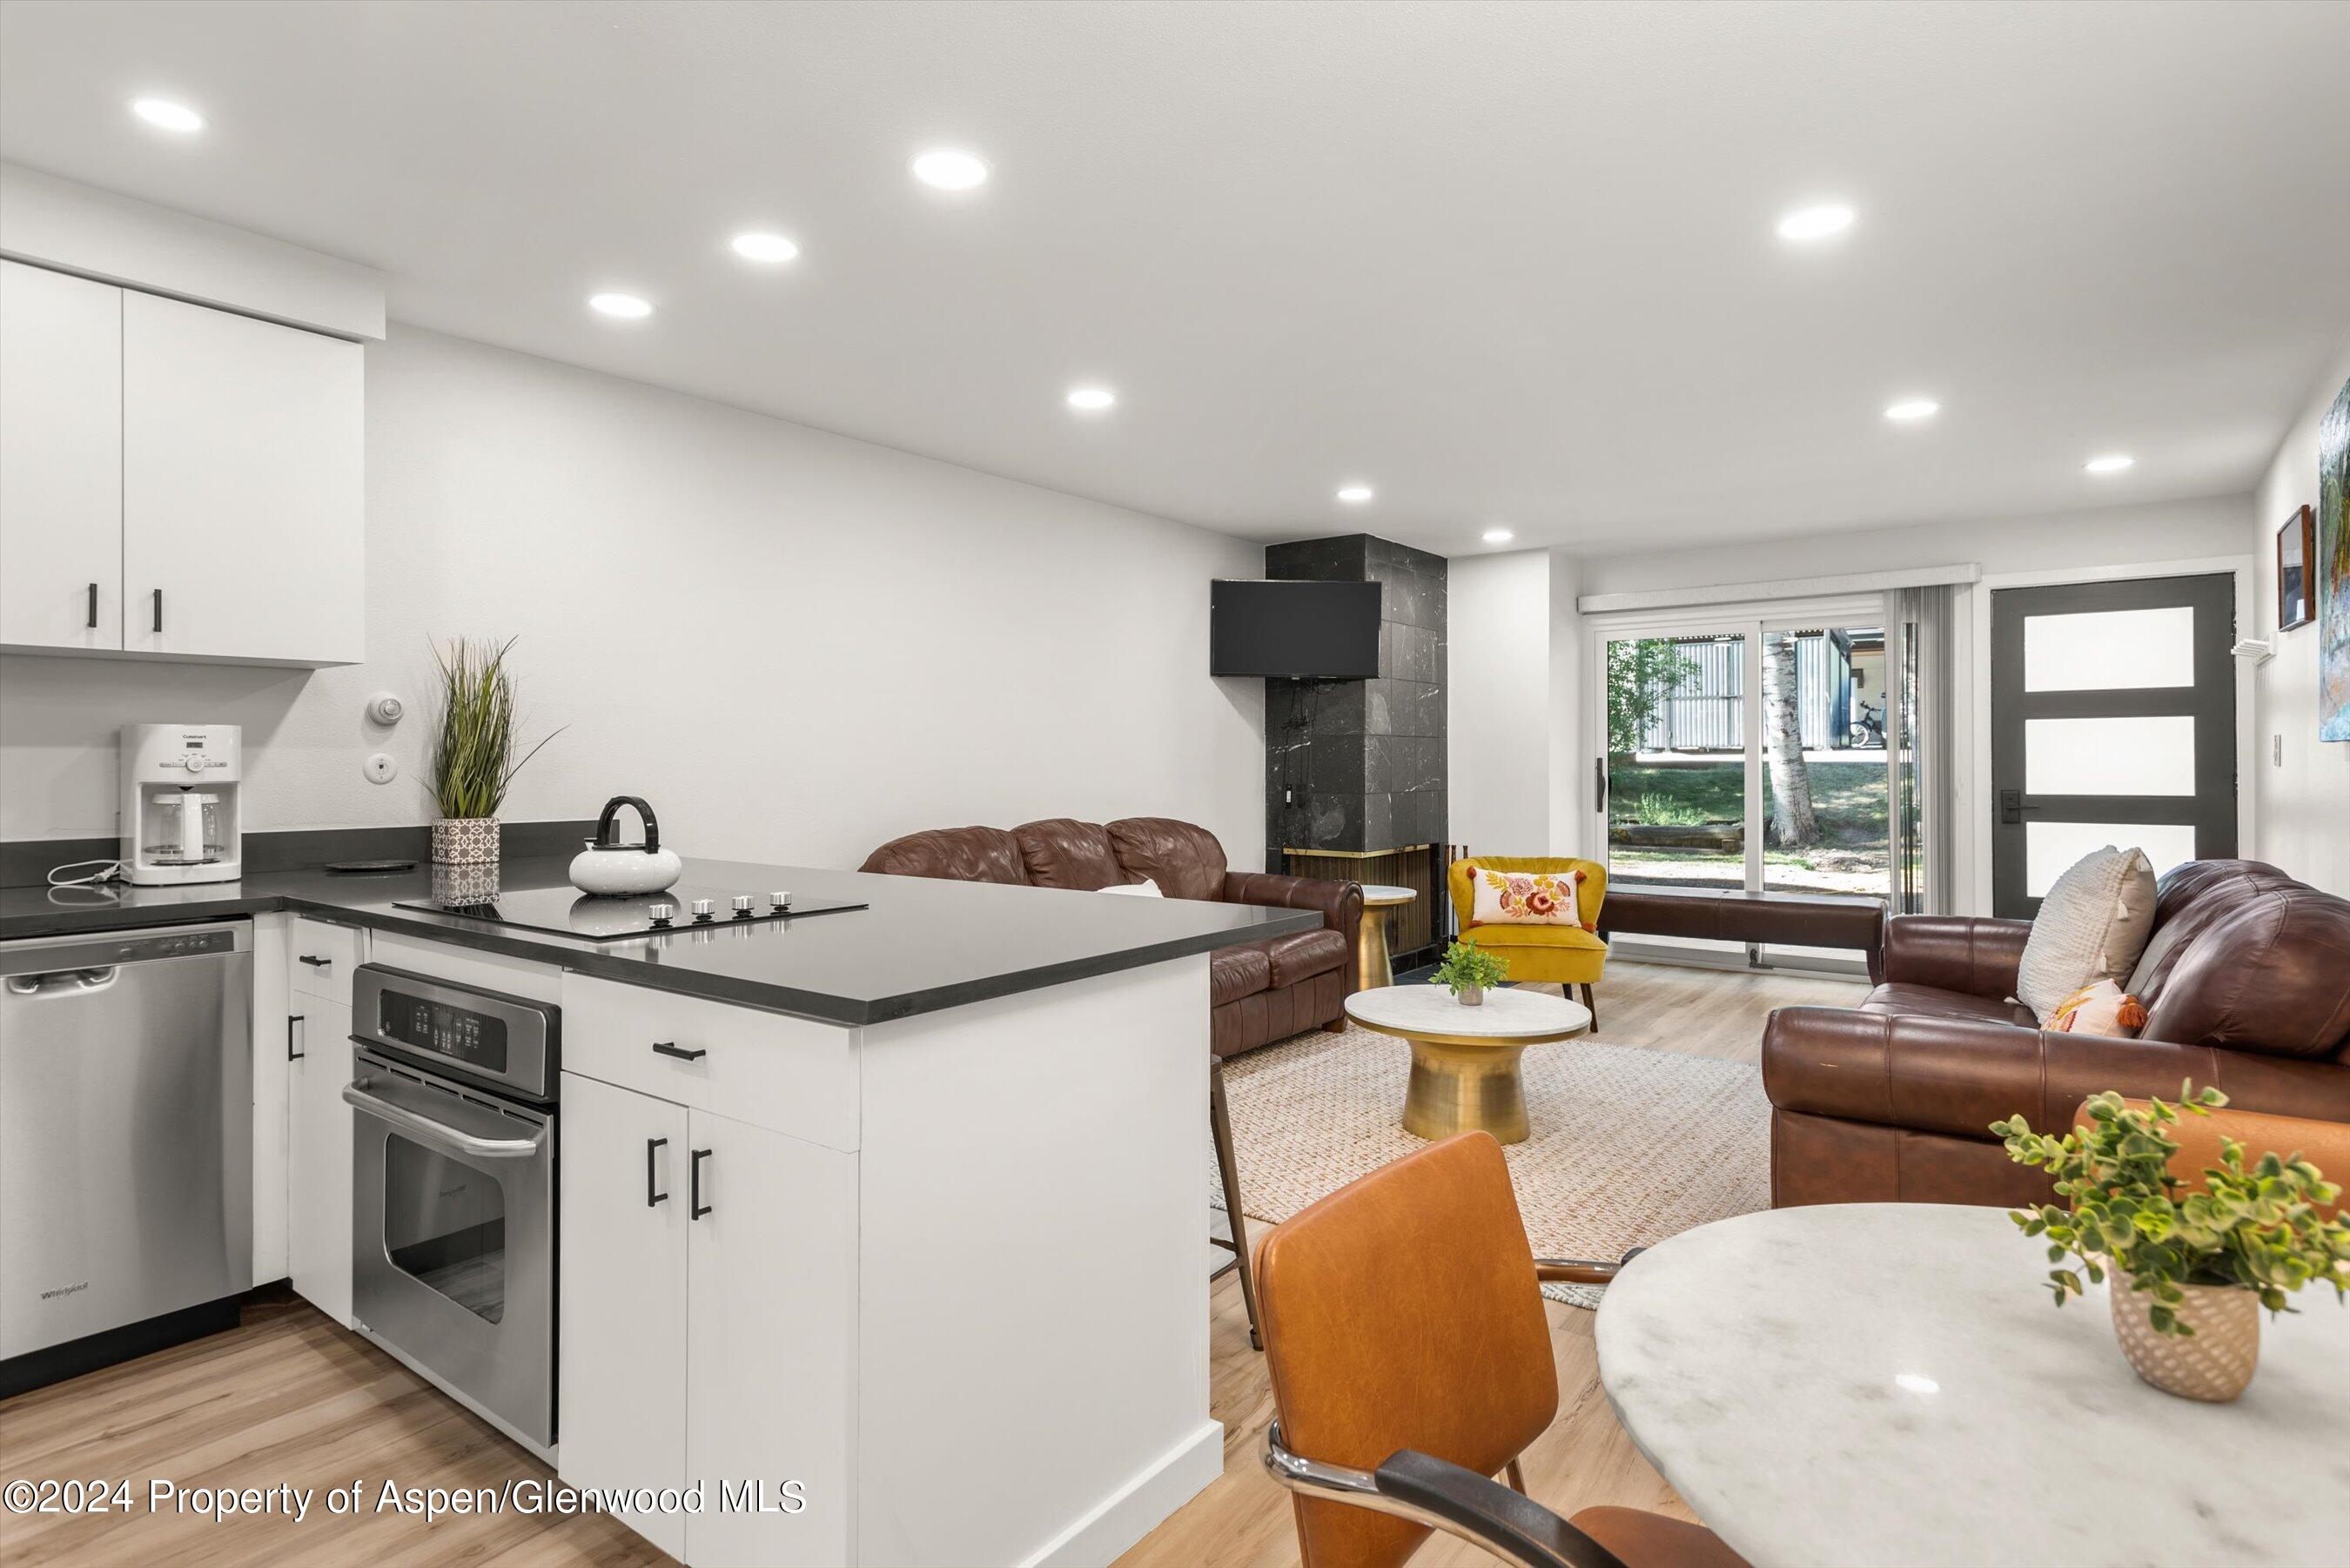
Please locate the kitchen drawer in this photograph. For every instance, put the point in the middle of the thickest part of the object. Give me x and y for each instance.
(788, 1074)
(314, 940)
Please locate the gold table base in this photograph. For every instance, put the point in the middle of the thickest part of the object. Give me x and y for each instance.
(1373, 966)
(1457, 1087)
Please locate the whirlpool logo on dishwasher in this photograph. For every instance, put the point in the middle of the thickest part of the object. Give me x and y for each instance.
(64, 1290)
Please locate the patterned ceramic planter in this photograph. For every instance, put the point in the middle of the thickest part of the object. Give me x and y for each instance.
(1469, 996)
(2216, 1364)
(465, 840)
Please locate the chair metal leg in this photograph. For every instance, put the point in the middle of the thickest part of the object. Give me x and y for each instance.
(1517, 1474)
(1592, 1005)
(1220, 1122)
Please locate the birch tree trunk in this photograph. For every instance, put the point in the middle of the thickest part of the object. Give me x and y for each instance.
(1793, 824)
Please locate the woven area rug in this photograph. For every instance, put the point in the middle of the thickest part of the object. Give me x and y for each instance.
(1629, 1145)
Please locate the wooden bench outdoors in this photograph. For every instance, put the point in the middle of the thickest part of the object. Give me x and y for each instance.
(1733, 915)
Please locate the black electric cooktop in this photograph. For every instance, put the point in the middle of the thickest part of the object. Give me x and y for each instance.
(566, 913)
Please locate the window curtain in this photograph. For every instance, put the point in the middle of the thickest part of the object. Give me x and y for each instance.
(1919, 626)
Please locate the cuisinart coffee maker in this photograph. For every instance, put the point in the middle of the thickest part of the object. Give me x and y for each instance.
(181, 820)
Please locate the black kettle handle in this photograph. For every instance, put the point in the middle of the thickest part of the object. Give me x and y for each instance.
(604, 824)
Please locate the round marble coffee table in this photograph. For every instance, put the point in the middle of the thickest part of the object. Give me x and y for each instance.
(1373, 968)
(1464, 1060)
(1871, 1382)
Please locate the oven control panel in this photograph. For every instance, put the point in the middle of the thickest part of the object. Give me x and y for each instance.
(508, 1042)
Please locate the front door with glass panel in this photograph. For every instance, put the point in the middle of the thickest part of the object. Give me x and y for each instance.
(2113, 722)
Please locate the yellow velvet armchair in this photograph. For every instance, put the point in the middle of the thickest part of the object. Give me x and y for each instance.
(1569, 955)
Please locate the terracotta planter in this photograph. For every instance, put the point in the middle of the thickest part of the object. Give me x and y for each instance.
(2216, 1364)
(465, 840)
(1469, 996)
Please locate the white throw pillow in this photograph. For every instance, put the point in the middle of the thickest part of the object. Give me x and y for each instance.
(2091, 927)
(1145, 889)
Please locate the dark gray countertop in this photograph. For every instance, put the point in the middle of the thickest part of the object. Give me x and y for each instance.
(923, 945)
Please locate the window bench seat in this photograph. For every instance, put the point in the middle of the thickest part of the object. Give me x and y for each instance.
(1732, 915)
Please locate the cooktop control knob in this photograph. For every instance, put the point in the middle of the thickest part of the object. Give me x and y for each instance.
(703, 909)
(741, 906)
(661, 913)
(778, 902)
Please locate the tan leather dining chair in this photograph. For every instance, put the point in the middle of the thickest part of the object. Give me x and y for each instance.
(1411, 1363)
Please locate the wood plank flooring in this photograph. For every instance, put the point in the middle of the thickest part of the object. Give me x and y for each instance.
(288, 1397)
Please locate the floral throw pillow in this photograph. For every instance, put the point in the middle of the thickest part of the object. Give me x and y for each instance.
(2101, 1008)
(1526, 897)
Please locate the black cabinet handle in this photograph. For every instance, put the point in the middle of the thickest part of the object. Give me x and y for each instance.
(670, 1048)
(93, 607)
(159, 612)
(316, 962)
(651, 1196)
(291, 1054)
(700, 1208)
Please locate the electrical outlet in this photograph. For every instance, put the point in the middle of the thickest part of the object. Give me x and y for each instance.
(383, 768)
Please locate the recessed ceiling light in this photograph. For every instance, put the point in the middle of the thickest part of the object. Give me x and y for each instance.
(764, 248)
(625, 306)
(1909, 411)
(950, 169)
(1815, 223)
(1498, 536)
(1091, 399)
(2111, 462)
(169, 115)
(1354, 495)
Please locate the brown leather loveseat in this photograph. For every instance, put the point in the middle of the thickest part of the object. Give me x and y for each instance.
(1258, 992)
(2246, 982)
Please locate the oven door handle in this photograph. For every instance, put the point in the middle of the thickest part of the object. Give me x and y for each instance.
(438, 1135)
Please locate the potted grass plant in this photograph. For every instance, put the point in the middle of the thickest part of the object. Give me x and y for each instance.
(2192, 1268)
(1468, 969)
(473, 751)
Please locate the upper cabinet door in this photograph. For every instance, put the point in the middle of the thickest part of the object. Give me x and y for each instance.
(60, 460)
(242, 501)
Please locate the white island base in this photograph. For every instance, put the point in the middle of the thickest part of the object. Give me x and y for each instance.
(944, 1275)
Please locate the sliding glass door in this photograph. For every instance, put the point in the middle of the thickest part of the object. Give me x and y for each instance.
(1771, 752)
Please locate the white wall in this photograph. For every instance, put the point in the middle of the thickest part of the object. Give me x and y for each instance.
(1516, 760)
(795, 645)
(2304, 797)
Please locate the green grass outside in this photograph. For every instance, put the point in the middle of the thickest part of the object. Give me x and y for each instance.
(1849, 797)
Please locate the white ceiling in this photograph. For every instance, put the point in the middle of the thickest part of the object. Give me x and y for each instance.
(1512, 264)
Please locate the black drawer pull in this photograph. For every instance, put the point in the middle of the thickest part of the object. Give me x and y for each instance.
(700, 1208)
(93, 607)
(159, 610)
(316, 962)
(672, 1048)
(291, 1054)
(652, 1197)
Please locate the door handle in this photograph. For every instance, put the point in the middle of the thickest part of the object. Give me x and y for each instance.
(1599, 782)
(291, 1054)
(434, 1135)
(93, 607)
(159, 612)
(652, 1197)
(315, 962)
(700, 1208)
(670, 1048)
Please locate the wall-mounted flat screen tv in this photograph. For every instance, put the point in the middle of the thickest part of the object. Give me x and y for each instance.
(1313, 631)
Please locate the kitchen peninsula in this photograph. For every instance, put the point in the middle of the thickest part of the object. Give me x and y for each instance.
(890, 1221)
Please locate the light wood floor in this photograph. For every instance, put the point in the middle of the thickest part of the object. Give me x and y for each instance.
(290, 1398)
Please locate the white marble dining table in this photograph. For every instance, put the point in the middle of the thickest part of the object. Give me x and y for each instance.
(1889, 1383)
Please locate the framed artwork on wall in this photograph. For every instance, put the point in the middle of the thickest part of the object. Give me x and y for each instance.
(2296, 548)
(2332, 570)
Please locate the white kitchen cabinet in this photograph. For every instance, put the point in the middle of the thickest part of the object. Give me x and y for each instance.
(60, 461)
(622, 1349)
(274, 1044)
(242, 498)
(709, 1309)
(318, 1192)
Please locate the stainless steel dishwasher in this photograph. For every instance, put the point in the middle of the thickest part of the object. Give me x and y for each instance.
(126, 1143)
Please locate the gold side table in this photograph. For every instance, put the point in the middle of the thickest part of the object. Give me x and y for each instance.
(1465, 1060)
(1373, 968)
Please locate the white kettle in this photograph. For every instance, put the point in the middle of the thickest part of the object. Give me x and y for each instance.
(611, 868)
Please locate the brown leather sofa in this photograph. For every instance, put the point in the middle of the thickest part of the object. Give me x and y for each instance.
(2246, 982)
(1258, 992)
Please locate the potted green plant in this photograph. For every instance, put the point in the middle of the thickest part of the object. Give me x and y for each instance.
(2198, 1263)
(473, 759)
(1468, 969)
